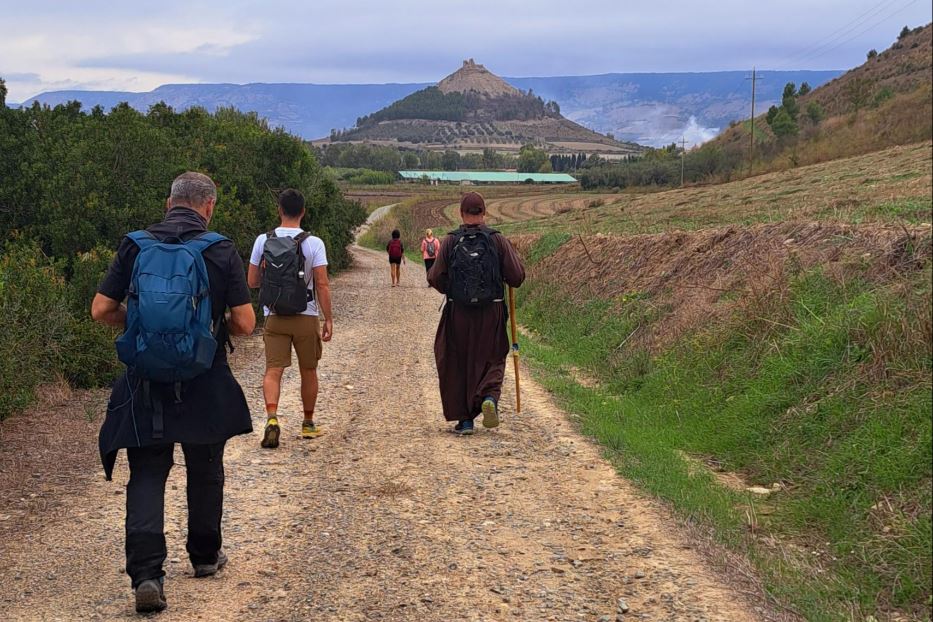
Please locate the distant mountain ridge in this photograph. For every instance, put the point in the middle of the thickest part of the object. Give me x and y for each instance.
(640, 107)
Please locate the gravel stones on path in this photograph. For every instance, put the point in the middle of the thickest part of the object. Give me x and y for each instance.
(388, 516)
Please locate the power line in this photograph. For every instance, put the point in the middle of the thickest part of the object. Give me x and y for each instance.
(751, 147)
(841, 31)
(860, 33)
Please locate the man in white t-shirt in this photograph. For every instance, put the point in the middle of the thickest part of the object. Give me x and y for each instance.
(302, 331)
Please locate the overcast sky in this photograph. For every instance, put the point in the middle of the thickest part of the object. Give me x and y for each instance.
(136, 46)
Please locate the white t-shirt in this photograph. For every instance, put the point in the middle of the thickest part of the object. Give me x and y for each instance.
(314, 252)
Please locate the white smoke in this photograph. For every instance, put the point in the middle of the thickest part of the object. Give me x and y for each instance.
(692, 133)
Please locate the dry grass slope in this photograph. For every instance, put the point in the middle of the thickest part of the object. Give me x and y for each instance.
(886, 101)
(893, 185)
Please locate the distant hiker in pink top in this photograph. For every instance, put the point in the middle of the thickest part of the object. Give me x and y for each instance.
(430, 246)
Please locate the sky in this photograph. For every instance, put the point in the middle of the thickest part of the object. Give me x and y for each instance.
(136, 46)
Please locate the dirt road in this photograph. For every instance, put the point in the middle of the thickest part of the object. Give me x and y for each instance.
(388, 516)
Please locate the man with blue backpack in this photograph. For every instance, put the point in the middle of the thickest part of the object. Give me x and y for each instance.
(177, 279)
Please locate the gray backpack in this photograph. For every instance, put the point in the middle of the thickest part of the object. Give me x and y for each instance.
(284, 288)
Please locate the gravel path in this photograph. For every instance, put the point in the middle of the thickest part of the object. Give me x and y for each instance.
(387, 516)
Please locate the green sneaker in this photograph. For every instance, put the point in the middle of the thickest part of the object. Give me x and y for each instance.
(270, 438)
(490, 413)
(310, 430)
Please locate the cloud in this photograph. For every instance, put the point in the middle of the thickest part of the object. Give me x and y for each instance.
(49, 52)
(137, 46)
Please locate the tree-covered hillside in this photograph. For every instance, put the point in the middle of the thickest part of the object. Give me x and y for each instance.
(433, 104)
(73, 183)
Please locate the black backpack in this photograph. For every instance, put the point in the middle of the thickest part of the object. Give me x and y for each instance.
(474, 274)
(284, 288)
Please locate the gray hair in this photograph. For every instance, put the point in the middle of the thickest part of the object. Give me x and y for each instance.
(193, 189)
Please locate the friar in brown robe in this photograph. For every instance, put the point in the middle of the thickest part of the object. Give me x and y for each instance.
(472, 344)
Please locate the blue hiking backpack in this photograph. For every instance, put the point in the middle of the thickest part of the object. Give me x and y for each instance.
(169, 335)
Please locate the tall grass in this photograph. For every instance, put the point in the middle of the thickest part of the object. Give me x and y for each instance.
(819, 387)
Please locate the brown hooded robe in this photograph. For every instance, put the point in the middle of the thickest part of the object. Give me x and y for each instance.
(472, 344)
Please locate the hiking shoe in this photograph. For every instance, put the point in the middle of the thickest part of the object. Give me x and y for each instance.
(310, 430)
(150, 596)
(270, 438)
(464, 428)
(490, 413)
(206, 570)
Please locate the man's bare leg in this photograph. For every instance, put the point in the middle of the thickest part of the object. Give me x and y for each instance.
(309, 391)
(271, 389)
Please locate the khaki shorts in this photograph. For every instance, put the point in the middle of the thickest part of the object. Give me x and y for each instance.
(283, 331)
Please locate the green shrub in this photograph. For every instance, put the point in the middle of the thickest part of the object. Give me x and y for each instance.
(815, 113)
(45, 337)
(370, 178)
(72, 184)
(884, 94)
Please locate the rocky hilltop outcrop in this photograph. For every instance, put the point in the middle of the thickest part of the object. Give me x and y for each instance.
(473, 109)
(476, 78)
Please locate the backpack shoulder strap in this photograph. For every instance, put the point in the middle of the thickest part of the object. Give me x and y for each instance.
(204, 241)
(142, 238)
(299, 240)
(271, 234)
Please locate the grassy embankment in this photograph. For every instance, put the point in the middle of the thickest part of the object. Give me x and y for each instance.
(799, 362)
(753, 346)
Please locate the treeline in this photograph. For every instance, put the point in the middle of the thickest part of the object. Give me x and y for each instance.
(392, 159)
(73, 183)
(659, 167)
(433, 104)
(567, 163)
(785, 120)
(428, 103)
(370, 159)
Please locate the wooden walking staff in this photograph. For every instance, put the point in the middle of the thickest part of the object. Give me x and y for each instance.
(518, 395)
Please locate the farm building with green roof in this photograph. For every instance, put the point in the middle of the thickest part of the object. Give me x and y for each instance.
(484, 177)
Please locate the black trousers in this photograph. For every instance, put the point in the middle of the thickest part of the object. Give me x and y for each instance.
(145, 506)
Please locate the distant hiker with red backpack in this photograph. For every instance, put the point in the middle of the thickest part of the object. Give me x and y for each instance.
(289, 266)
(178, 278)
(430, 246)
(473, 267)
(396, 257)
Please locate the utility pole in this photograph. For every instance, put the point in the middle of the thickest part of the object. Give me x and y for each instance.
(683, 154)
(751, 146)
